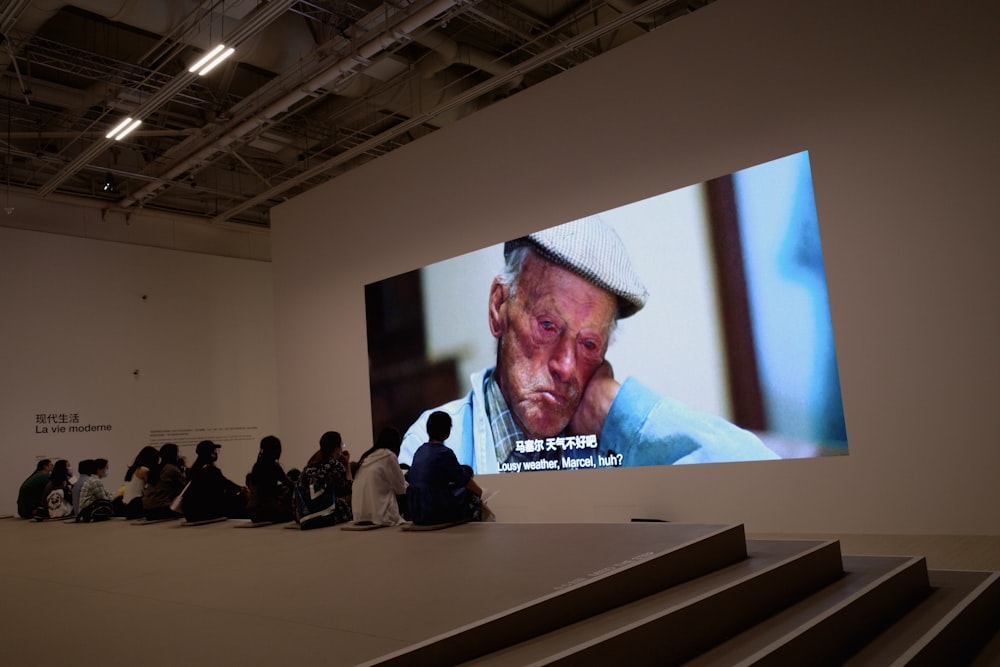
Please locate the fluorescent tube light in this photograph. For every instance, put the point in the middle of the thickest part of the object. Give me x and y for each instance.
(205, 58)
(135, 123)
(123, 128)
(118, 128)
(208, 62)
(210, 66)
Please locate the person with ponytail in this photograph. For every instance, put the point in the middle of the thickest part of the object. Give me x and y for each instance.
(270, 488)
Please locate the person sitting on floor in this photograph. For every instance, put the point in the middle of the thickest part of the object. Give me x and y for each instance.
(130, 503)
(270, 488)
(164, 482)
(57, 498)
(379, 481)
(440, 489)
(84, 469)
(323, 493)
(96, 501)
(210, 495)
(29, 496)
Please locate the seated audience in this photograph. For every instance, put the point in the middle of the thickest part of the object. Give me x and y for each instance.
(270, 488)
(440, 489)
(84, 469)
(323, 493)
(379, 481)
(95, 498)
(29, 496)
(130, 505)
(210, 495)
(57, 497)
(164, 482)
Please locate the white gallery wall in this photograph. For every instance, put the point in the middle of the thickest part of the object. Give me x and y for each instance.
(107, 347)
(897, 106)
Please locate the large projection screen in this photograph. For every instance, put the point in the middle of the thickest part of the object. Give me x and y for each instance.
(901, 133)
(734, 329)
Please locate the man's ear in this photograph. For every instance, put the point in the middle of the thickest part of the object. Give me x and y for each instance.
(499, 293)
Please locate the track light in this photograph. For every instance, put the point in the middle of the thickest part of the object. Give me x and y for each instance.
(123, 129)
(110, 184)
(208, 62)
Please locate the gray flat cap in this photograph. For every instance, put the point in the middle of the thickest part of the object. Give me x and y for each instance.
(594, 251)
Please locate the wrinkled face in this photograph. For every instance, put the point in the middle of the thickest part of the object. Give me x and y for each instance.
(552, 335)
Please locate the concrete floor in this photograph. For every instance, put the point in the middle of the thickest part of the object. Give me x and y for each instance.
(166, 594)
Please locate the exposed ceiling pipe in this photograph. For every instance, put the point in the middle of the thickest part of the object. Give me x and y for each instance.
(427, 88)
(55, 95)
(251, 25)
(285, 41)
(363, 53)
(628, 5)
(447, 52)
(10, 14)
(171, 216)
(412, 98)
(428, 85)
(471, 94)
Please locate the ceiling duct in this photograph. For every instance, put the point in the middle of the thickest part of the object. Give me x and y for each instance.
(360, 54)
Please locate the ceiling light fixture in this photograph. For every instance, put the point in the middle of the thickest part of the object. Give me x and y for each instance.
(123, 129)
(110, 184)
(208, 62)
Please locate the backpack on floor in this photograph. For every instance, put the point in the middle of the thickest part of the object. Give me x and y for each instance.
(99, 510)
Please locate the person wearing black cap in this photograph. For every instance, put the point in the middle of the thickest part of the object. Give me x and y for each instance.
(210, 495)
(552, 400)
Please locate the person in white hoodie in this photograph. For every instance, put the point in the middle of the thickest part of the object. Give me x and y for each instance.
(378, 482)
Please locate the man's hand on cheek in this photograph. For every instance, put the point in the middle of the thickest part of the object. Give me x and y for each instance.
(595, 403)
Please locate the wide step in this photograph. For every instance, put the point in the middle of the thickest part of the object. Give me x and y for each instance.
(678, 623)
(950, 626)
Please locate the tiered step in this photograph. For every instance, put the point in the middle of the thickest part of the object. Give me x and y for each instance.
(717, 599)
(720, 600)
(989, 655)
(686, 620)
(950, 626)
(697, 551)
(828, 626)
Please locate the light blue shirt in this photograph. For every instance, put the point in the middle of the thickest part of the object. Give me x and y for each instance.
(640, 429)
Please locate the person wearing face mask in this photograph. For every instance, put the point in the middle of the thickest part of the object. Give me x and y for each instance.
(96, 501)
(210, 495)
(84, 470)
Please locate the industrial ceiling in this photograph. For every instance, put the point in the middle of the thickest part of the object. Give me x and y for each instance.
(312, 89)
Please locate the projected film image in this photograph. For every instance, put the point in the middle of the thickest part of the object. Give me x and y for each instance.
(690, 327)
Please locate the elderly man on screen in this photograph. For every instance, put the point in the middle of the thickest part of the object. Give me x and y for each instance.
(551, 401)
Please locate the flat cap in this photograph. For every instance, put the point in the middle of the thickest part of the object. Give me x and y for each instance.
(591, 249)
